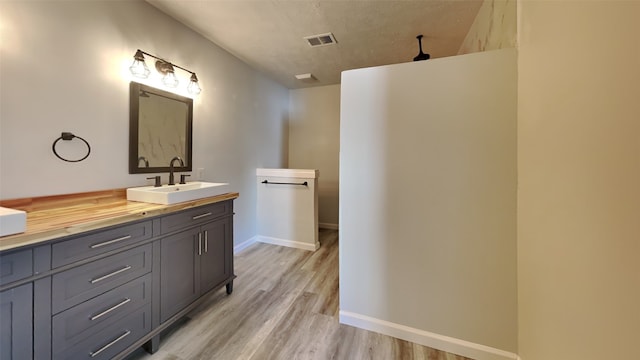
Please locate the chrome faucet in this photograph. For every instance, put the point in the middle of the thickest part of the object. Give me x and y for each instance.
(171, 180)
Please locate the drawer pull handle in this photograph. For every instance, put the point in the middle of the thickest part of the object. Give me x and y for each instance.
(93, 281)
(97, 316)
(110, 242)
(206, 241)
(97, 352)
(201, 216)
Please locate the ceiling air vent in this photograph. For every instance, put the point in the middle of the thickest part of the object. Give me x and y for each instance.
(321, 39)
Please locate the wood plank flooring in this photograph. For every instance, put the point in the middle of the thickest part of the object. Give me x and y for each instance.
(284, 307)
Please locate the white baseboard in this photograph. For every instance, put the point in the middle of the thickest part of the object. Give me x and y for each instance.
(436, 341)
(288, 243)
(328, 226)
(245, 244)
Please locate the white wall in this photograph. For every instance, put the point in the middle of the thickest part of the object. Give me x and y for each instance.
(288, 215)
(579, 180)
(314, 142)
(428, 201)
(64, 67)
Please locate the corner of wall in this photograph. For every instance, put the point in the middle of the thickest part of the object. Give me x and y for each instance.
(494, 27)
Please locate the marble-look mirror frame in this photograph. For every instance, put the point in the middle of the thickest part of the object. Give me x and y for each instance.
(160, 127)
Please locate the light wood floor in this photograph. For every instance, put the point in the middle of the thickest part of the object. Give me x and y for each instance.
(284, 307)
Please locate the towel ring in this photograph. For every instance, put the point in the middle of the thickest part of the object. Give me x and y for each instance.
(69, 136)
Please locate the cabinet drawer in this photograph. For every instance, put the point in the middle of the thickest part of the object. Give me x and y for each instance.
(79, 322)
(84, 282)
(111, 339)
(69, 251)
(15, 266)
(195, 216)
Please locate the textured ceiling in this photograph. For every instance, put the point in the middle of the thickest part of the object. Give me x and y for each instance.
(268, 34)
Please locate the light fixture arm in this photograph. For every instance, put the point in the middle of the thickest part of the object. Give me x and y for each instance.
(164, 61)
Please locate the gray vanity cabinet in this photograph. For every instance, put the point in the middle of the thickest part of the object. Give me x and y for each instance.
(193, 262)
(16, 323)
(102, 294)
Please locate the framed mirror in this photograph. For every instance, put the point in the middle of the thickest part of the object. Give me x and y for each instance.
(160, 128)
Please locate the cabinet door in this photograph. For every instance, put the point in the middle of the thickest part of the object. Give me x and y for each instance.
(217, 253)
(16, 323)
(179, 280)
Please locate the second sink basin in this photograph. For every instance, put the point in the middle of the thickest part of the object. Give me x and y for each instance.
(173, 194)
(12, 222)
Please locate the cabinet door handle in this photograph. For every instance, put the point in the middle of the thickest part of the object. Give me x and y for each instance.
(199, 243)
(97, 352)
(110, 241)
(93, 281)
(97, 316)
(201, 216)
(206, 241)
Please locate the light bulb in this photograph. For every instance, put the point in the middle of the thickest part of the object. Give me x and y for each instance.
(139, 68)
(194, 87)
(170, 79)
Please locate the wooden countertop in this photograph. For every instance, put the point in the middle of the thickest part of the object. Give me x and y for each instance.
(52, 217)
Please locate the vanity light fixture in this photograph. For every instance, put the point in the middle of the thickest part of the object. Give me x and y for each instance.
(139, 69)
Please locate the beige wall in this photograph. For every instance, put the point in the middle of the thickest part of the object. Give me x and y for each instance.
(494, 27)
(579, 180)
(64, 67)
(314, 142)
(428, 198)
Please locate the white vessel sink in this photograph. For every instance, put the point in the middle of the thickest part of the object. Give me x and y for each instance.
(12, 221)
(173, 194)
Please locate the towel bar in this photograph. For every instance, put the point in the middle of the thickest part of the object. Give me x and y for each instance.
(285, 183)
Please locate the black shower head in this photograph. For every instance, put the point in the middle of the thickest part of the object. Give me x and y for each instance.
(421, 55)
